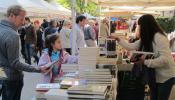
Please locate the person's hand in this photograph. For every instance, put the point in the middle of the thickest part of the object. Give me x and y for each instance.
(141, 60)
(44, 69)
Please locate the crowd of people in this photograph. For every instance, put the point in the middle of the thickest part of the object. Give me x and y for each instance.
(45, 42)
(33, 35)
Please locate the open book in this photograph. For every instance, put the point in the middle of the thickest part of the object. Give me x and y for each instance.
(136, 55)
(141, 52)
(50, 66)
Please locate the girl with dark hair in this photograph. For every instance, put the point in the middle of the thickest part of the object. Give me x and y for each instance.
(153, 39)
(52, 53)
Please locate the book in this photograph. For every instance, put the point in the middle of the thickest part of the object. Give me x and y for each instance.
(66, 68)
(141, 52)
(88, 92)
(88, 89)
(50, 66)
(88, 58)
(46, 87)
(136, 55)
(68, 82)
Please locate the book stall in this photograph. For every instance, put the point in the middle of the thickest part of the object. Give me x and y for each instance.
(94, 77)
(100, 70)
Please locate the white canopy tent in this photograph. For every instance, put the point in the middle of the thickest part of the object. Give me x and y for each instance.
(136, 5)
(66, 12)
(56, 10)
(145, 3)
(60, 7)
(88, 16)
(33, 9)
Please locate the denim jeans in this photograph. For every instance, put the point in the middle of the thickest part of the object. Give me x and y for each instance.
(11, 90)
(30, 52)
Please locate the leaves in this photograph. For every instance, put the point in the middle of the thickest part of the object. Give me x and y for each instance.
(168, 24)
(81, 8)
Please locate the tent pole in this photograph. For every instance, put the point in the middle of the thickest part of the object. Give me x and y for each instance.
(109, 25)
(74, 26)
(99, 24)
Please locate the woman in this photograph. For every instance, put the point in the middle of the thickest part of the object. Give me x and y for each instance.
(104, 28)
(153, 39)
(65, 36)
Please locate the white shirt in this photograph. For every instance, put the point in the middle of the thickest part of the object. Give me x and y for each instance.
(163, 63)
(80, 41)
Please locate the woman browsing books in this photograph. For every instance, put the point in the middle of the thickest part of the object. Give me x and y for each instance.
(54, 52)
(153, 39)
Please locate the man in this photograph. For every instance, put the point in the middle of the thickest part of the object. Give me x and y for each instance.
(39, 32)
(51, 29)
(9, 54)
(30, 41)
(90, 35)
(22, 34)
(80, 23)
(45, 23)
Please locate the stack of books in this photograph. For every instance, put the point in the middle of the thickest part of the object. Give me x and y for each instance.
(97, 76)
(88, 58)
(69, 68)
(88, 92)
(107, 61)
(68, 82)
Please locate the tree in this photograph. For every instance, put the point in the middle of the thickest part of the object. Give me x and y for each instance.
(90, 8)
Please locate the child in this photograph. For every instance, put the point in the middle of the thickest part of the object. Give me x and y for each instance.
(52, 53)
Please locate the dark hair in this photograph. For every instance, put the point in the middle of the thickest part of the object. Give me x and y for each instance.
(51, 23)
(148, 28)
(80, 18)
(50, 39)
(44, 20)
(27, 19)
(15, 10)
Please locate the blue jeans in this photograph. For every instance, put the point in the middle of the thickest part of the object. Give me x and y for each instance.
(30, 52)
(11, 90)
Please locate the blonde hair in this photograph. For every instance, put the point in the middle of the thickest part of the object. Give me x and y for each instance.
(66, 22)
(91, 22)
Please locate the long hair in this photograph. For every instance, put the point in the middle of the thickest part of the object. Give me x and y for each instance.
(148, 28)
(50, 40)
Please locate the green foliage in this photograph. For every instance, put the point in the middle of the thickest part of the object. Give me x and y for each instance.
(90, 8)
(168, 24)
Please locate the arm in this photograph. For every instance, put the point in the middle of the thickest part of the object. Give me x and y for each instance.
(12, 47)
(69, 59)
(129, 46)
(43, 60)
(34, 34)
(164, 53)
